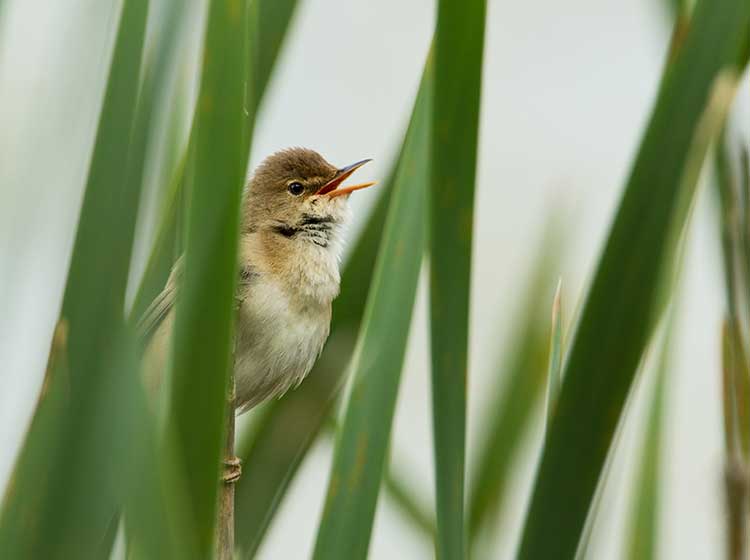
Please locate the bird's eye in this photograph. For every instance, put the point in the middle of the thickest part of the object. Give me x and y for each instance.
(296, 188)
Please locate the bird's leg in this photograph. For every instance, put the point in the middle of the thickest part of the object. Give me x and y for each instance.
(231, 474)
(232, 470)
(232, 463)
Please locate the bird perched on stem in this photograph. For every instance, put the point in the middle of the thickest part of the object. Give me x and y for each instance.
(289, 251)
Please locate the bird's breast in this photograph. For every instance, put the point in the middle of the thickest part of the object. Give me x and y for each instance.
(279, 337)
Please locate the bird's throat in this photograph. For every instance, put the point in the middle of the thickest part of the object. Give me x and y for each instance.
(318, 230)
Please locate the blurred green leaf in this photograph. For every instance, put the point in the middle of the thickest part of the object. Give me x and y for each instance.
(736, 375)
(736, 408)
(554, 371)
(21, 505)
(361, 446)
(155, 511)
(272, 453)
(65, 490)
(98, 271)
(521, 382)
(661, 344)
(624, 299)
(641, 543)
(203, 321)
(156, 520)
(744, 188)
(678, 8)
(459, 46)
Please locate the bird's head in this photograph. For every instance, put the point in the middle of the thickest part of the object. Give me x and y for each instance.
(298, 194)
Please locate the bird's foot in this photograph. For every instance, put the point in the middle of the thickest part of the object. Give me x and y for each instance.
(232, 470)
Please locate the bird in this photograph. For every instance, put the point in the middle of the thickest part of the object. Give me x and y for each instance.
(293, 213)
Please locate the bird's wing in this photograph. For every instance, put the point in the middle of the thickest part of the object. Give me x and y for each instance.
(165, 301)
(162, 304)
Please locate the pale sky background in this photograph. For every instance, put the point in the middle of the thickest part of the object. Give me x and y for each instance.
(567, 90)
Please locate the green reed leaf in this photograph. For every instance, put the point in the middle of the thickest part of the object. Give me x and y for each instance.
(459, 46)
(204, 314)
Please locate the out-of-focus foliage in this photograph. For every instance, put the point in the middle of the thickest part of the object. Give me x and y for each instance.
(554, 370)
(625, 296)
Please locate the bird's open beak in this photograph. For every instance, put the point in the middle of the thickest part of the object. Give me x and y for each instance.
(331, 188)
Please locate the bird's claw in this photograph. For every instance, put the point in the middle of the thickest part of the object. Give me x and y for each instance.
(232, 470)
